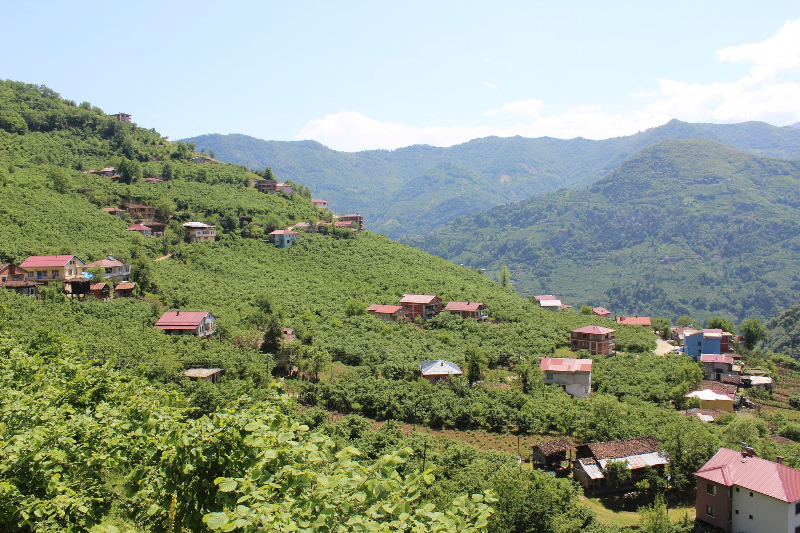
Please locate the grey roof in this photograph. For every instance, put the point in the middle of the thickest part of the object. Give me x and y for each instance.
(201, 372)
(439, 367)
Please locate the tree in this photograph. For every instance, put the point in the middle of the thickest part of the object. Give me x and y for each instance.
(753, 331)
(505, 277)
(662, 325)
(129, 170)
(142, 275)
(314, 361)
(684, 321)
(212, 154)
(268, 174)
(59, 179)
(586, 310)
(476, 361)
(354, 307)
(616, 472)
(716, 322)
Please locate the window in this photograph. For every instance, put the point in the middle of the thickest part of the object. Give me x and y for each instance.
(55, 273)
(710, 511)
(750, 516)
(730, 515)
(737, 489)
(797, 529)
(711, 489)
(751, 494)
(797, 508)
(737, 511)
(549, 375)
(730, 493)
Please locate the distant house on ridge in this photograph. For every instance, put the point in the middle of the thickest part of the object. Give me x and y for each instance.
(198, 323)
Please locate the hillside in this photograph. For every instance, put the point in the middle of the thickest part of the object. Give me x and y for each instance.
(684, 227)
(414, 190)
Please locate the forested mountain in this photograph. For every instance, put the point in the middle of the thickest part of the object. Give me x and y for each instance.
(684, 227)
(413, 190)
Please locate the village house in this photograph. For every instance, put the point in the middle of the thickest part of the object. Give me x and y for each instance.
(16, 278)
(100, 291)
(550, 455)
(157, 228)
(124, 289)
(211, 375)
(203, 160)
(200, 231)
(107, 172)
(283, 238)
(285, 188)
(116, 211)
(115, 269)
(123, 117)
(265, 186)
(141, 212)
(740, 492)
(594, 339)
(390, 313)
(638, 453)
(549, 302)
(53, 267)
(425, 306)
(141, 228)
(704, 415)
(476, 310)
(713, 399)
(198, 323)
(679, 334)
(320, 203)
(439, 370)
(573, 375)
(601, 312)
(634, 321)
(711, 341)
(718, 365)
(356, 221)
(153, 180)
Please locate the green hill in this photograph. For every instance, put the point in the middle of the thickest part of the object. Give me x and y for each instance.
(684, 227)
(414, 190)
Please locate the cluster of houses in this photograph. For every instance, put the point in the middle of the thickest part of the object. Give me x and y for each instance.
(69, 271)
(425, 307)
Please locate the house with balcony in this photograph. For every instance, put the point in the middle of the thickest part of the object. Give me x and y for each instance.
(141, 228)
(425, 306)
(114, 268)
(572, 375)
(15, 278)
(123, 117)
(283, 238)
(740, 492)
(53, 267)
(476, 310)
(200, 231)
(320, 203)
(198, 323)
(594, 339)
(355, 220)
(265, 186)
(141, 212)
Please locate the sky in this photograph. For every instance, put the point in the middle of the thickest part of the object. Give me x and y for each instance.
(382, 75)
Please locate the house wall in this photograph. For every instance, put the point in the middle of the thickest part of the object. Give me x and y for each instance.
(713, 368)
(575, 383)
(717, 404)
(720, 502)
(72, 269)
(594, 344)
(769, 514)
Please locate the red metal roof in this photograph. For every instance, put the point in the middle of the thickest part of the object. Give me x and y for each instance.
(594, 330)
(463, 306)
(96, 286)
(601, 311)
(545, 297)
(716, 358)
(418, 299)
(48, 261)
(384, 309)
(181, 319)
(125, 285)
(729, 467)
(634, 320)
(557, 364)
(105, 263)
(138, 227)
(284, 232)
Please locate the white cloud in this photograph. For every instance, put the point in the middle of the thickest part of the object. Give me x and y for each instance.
(491, 85)
(771, 93)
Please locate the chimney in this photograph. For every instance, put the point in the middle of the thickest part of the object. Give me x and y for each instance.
(779, 460)
(177, 313)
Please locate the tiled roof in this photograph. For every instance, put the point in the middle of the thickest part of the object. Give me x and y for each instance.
(47, 261)
(439, 367)
(624, 448)
(729, 467)
(96, 286)
(634, 320)
(601, 311)
(716, 358)
(125, 285)
(418, 299)
(555, 446)
(105, 263)
(732, 380)
(719, 386)
(463, 306)
(284, 232)
(557, 364)
(594, 330)
(181, 319)
(545, 297)
(384, 309)
(138, 227)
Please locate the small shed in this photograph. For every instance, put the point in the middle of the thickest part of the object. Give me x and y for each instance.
(551, 454)
(124, 289)
(438, 370)
(100, 291)
(204, 374)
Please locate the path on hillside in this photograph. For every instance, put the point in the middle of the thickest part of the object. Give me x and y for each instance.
(663, 347)
(162, 257)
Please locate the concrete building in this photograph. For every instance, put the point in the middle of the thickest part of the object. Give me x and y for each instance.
(573, 375)
(594, 339)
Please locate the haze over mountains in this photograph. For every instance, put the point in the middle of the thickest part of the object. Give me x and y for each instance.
(414, 190)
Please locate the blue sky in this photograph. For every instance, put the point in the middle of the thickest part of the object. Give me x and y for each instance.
(363, 75)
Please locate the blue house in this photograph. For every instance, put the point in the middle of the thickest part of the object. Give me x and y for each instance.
(283, 238)
(708, 341)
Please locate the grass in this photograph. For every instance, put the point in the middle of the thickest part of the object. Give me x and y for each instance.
(607, 514)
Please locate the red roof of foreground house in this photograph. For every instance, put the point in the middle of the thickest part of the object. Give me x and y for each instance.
(463, 306)
(716, 358)
(417, 299)
(181, 319)
(594, 330)
(634, 320)
(557, 364)
(729, 467)
(384, 309)
(47, 261)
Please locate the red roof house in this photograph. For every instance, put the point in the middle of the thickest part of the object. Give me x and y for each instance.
(199, 323)
(737, 491)
(601, 312)
(392, 313)
(425, 306)
(144, 230)
(594, 339)
(476, 310)
(573, 375)
(634, 321)
(53, 267)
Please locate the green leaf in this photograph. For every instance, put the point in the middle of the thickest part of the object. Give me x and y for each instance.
(215, 520)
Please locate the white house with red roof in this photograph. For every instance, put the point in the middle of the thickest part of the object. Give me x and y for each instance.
(573, 375)
(739, 492)
(476, 310)
(141, 228)
(283, 238)
(198, 323)
(602, 312)
(718, 365)
(115, 269)
(549, 302)
(53, 267)
(320, 203)
(390, 313)
(594, 339)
